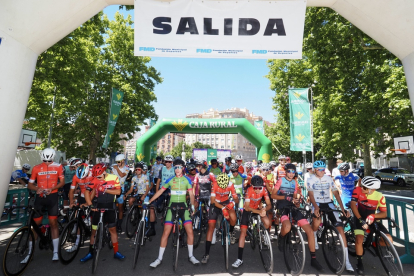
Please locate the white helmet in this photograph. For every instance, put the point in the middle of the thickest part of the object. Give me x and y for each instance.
(371, 182)
(239, 157)
(26, 166)
(272, 163)
(48, 154)
(282, 157)
(309, 165)
(169, 158)
(120, 157)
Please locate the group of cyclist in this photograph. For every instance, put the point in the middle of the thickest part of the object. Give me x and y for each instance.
(223, 188)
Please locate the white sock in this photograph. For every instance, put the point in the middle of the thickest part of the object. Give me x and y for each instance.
(346, 255)
(55, 245)
(30, 247)
(162, 249)
(190, 250)
(314, 233)
(77, 239)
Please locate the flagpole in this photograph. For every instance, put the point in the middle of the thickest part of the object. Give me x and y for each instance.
(109, 117)
(311, 117)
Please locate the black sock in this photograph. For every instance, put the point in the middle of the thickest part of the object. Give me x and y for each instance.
(90, 248)
(359, 259)
(240, 255)
(152, 223)
(208, 245)
(313, 255)
(231, 228)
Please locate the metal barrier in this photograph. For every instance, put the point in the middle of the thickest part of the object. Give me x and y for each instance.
(17, 196)
(398, 210)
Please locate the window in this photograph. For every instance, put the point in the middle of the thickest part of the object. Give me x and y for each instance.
(169, 136)
(222, 140)
(222, 147)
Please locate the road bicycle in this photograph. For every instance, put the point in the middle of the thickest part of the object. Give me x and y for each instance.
(133, 218)
(176, 234)
(224, 235)
(200, 221)
(102, 238)
(141, 229)
(262, 238)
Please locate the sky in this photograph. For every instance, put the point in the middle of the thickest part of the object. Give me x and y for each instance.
(194, 85)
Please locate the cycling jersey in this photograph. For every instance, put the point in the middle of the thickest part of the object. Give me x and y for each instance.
(105, 200)
(237, 182)
(179, 187)
(140, 183)
(69, 174)
(18, 174)
(215, 171)
(368, 204)
(155, 170)
(241, 170)
(226, 168)
(287, 188)
(165, 174)
(347, 186)
(222, 195)
(204, 183)
(268, 179)
(47, 177)
(192, 177)
(83, 183)
(125, 170)
(321, 188)
(280, 171)
(255, 198)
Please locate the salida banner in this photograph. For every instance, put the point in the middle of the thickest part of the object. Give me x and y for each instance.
(219, 29)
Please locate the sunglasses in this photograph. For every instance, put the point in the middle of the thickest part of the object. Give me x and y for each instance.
(320, 170)
(192, 170)
(291, 171)
(341, 171)
(234, 171)
(118, 161)
(308, 169)
(50, 161)
(257, 188)
(138, 169)
(178, 167)
(265, 170)
(239, 160)
(365, 188)
(100, 177)
(168, 161)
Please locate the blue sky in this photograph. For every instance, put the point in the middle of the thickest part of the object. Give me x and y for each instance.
(195, 85)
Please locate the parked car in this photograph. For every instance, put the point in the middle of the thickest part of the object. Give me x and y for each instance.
(399, 176)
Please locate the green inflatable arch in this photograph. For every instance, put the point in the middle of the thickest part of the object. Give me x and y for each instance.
(189, 125)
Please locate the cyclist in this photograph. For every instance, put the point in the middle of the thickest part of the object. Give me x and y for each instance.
(220, 202)
(49, 178)
(21, 175)
(69, 172)
(249, 175)
(214, 167)
(239, 161)
(320, 187)
(227, 163)
(335, 171)
(139, 186)
(191, 168)
(366, 200)
(238, 182)
(179, 185)
(253, 197)
(156, 168)
(203, 182)
(105, 187)
(280, 170)
(287, 160)
(121, 171)
(268, 183)
(345, 182)
(286, 192)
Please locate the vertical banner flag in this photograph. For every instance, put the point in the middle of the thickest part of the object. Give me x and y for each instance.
(300, 127)
(211, 154)
(219, 29)
(116, 104)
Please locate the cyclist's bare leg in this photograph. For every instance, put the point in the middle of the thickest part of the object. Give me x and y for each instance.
(114, 235)
(285, 228)
(210, 231)
(165, 235)
(311, 240)
(233, 217)
(92, 240)
(152, 215)
(189, 229)
(342, 233)
(359, 239)
(242, 237)
(131, 201)
(120, 210)
(266, 222)
(54, 228)
(315, 223)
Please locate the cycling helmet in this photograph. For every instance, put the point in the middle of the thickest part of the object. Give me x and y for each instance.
(191, 166)
(26, 166)
(120, 157)
(259, 162)
(82, 171)
(319, 164)
(309, 166)
(213, 161)
(223, 180)
(158, 158)
(249, 165)
(98, 169)
(75, 161)
(142, 163)
(371, 182)
(282, 157)
(145, 167)
(48, 154)
(257, 181)
(272, 163)
(238, 157)
(169, 158)
(265, 166)
(198, 162)
(290, 167)
(227, 159)
(234, 167)
(178, 162)
(344, 167)
(139, 165)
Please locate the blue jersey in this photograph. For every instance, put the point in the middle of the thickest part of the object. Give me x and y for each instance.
(347, 186)
(18, 174)
(166, 174)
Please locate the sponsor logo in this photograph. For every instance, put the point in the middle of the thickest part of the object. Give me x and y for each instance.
(180, 125)
(48, 172)
(140, 157)
(204, 51)
(298, 94)
(299, 115)
(228, 124)
(259, 52)
(300, 137)
(118, 96)
(147, 49)
(266, 157)
(114, 116)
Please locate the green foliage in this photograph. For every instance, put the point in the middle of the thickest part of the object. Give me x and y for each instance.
(360, 91)
(188, 149)
(83, 68)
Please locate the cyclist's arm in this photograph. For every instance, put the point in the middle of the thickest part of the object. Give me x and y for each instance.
(88, 197)
(191, 194)
(234, 194)
(312, 199)
(338, 186)
(114, 191)
(131, 189)
(157, 194)
(21, 181)
(338, 198)
(354, 209)
(121, 174)
(217, 204)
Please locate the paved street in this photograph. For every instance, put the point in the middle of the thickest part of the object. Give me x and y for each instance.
(42, 264)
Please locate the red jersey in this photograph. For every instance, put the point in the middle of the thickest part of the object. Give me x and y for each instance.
(111, 181)
(268, 180)
(368, 204)
(47, 176)
(241, 169)
(81, 182)
(280, 172)
(255, 198)
(222, 195)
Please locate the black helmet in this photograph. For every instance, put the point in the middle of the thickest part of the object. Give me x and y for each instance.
(234, 167)
(290, 166)
(259, 162)
(256, 181)
(139, 165)
(190, 166)
(158, 158)
(198, 162)
(227, 159)
(344, 167)
(213, 161)
(178, 162)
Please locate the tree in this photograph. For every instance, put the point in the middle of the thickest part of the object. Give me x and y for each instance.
(360, 94)
(81, 71)
(188, 149)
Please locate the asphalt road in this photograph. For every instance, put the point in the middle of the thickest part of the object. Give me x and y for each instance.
(43, 265)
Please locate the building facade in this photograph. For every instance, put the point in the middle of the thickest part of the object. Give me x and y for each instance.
(170, 140)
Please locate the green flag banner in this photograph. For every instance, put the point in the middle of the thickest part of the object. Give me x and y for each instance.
(300, 128)
(211, 154)
(116, 103)
(259, 125)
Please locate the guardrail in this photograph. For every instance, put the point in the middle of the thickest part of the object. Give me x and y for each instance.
(14, 211)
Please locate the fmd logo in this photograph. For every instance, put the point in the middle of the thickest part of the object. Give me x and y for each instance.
(147, 49)
(204, 51)
(259, 51)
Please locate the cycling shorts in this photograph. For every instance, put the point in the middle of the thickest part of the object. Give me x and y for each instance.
(245, 219)
(215, 211)
(108, 217)
(332, 216)
(66, 189)
(50, 202)
(183, 214)
(296, 216)
(360, 231)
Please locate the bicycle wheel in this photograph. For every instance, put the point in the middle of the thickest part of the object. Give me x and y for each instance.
(197, 228)
(138, 240)
(251, 234)
(97, 247)
(333, 249)
(350, 240)
(17, 250)
(294, 251)
(265, 249)
(175, 244)
(225, 240)
(68, 244)
(132, 221)
(388, 255)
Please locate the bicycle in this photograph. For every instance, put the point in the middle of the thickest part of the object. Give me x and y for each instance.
(176, 234)
(263, 240)
(383, 248)
(133, 218)
(140, 237)
(200, 221)
(102, 237)
(223, 233)
(332, 244)
(68, 237)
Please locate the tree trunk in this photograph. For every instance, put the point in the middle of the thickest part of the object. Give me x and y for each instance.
(366, 152)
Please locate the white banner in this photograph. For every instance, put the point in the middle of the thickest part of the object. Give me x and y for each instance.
(213, 29)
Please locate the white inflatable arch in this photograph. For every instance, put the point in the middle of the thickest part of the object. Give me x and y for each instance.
(27, 28)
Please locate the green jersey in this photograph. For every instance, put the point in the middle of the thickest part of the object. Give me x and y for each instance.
(179, 187)
(215, 171)
(237, 182)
